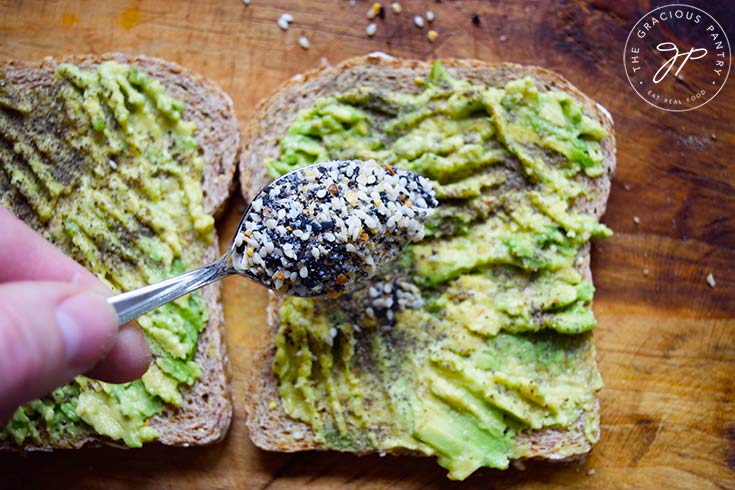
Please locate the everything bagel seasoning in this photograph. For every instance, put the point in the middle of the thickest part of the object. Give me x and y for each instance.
(325, 228)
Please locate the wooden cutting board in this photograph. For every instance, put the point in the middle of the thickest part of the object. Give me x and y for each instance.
(666, 339)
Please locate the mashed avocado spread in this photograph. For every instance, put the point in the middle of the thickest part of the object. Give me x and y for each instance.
(101, 162)
(479, 333)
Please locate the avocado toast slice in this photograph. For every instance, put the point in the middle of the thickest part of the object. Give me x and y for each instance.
(122, 161)
(476, 345)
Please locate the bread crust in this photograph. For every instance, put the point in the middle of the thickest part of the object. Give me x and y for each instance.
(271, 428)
(206, 412)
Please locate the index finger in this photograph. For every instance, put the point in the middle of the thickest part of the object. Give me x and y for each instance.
(27, 256)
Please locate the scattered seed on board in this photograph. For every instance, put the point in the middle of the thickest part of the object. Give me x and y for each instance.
(374, 10)
(246, 2)
(396, 7)
(711, 280)
(282, 23)
(636, 220)
(476, 19)
(432, 35)
(304, 42)
(419, 21)
(371, 29)
(346, 219)
(430, 16)
(287, 17)
(503, 38)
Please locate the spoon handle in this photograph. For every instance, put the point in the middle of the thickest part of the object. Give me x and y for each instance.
(132, 304)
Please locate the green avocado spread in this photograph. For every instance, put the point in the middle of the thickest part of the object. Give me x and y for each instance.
(480, 333)
(101, 162)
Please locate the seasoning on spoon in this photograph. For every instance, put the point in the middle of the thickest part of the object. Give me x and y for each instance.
(325, 228)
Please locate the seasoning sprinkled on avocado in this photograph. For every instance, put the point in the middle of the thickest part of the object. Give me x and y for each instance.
(480, 332)
(102, 162)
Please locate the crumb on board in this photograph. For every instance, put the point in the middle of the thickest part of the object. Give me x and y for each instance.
(396, 7)
(711, 280)
(432, 35)
(591, 472)
(713, 136)
(503, 38)
(476, 19)
(645, 271)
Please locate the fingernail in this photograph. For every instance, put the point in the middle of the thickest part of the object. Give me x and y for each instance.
(87, 324)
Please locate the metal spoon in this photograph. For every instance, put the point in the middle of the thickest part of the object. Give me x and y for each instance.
(298, 236)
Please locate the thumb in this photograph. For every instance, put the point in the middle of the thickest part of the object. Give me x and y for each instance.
(49, 333)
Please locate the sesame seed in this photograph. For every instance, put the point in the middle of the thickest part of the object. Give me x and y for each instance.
(282, 23)
(287, 17)
(396, 7)
(304, 42)
(432, 35)
(371, 29)
(503, 38)
(298, 435)
(430, 16)
(419, 21)
(636, 220)
(590, 472)
(476, 19)
(645, 271)
(711, 280)
(246, 2)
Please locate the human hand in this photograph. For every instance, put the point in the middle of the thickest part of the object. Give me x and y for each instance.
(55, 322)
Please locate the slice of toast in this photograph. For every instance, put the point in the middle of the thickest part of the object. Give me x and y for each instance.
(269, 426)
(206, 411)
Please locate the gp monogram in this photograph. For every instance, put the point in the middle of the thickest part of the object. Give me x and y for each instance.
(677, 57)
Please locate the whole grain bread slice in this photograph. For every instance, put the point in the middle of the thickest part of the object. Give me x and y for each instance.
(269, 426)
(206, 412)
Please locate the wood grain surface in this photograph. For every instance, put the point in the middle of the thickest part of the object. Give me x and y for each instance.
(666, 340)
